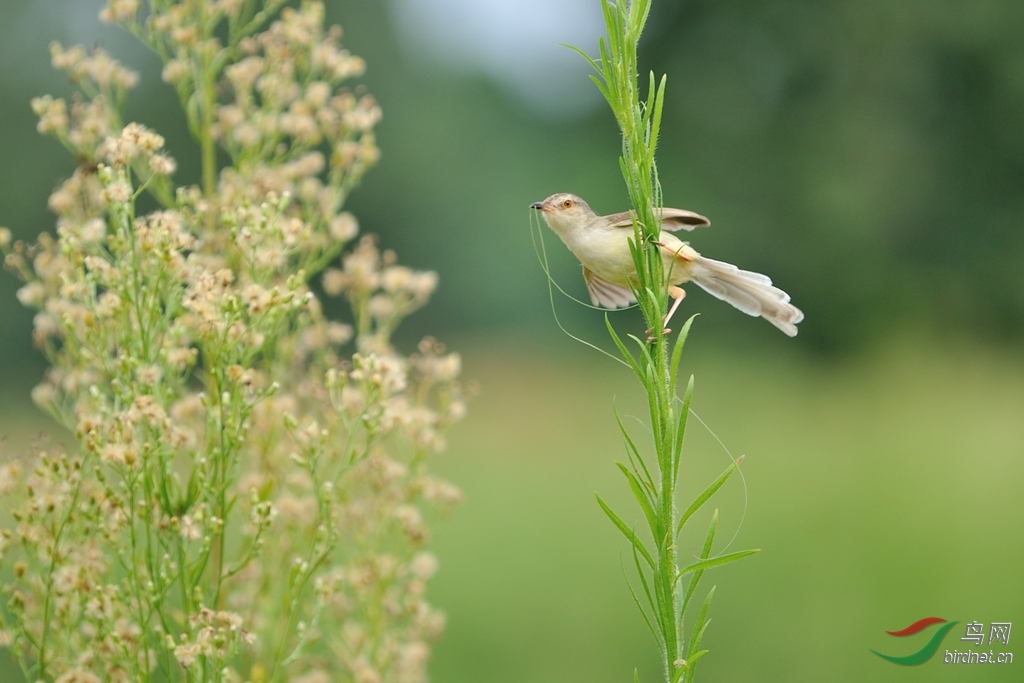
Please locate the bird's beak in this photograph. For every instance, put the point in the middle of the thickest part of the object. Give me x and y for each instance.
(537, 205)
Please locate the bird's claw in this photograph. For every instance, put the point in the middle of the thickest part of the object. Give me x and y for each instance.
(651, 338)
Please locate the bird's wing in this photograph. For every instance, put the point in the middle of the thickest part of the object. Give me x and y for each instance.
(671, 220)
(606, 294)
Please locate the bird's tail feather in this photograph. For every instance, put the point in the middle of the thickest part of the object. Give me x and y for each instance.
(752, 293)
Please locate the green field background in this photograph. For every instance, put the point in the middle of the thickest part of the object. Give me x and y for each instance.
(868, 156)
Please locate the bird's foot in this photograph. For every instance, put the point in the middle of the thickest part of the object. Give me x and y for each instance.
(651, 338)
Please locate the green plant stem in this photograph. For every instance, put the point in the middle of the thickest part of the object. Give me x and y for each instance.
(668, 557)
(639, 127)
(654, 489)
(639, 122)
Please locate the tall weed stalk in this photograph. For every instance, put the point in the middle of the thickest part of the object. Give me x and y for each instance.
(666, 589)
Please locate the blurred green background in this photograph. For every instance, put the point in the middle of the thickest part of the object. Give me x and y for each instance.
(869, 156)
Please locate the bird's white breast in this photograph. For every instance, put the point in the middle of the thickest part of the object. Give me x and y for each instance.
(605, 252)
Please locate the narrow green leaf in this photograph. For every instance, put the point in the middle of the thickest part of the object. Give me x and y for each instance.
(705, 553)
(655, 300)
(652, 397)
(656, 122)
(677, 351)
(636, 255)
(642, 498)
(622, 348)
(647, 587)
(643, 612)
(648, 160)
(634, 453)
(608, 75)
(614, 29)
(717, 561)
(604, 91)
(626, 531)
(590, 60)
(684, 413)
(648, 111)
(709, 540)
(699, 501)
(699, 626)
(673, 366)
(624, 169)
(645, 13)
(607, 16)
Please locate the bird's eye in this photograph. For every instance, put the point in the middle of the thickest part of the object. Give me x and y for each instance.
(567, 204)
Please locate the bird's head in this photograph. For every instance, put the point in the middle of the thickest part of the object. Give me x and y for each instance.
(564, 212)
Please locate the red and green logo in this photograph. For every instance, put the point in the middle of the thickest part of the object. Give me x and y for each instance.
(929, 649)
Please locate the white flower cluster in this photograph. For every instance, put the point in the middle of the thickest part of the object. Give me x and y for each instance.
(248, 498)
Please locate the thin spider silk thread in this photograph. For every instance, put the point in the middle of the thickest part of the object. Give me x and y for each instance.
(542, 256)
(743, 478)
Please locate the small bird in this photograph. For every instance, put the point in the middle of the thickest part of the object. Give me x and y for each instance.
(601, 243)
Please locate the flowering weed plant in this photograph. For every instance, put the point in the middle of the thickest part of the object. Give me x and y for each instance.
(246, 494)
(667, 588)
